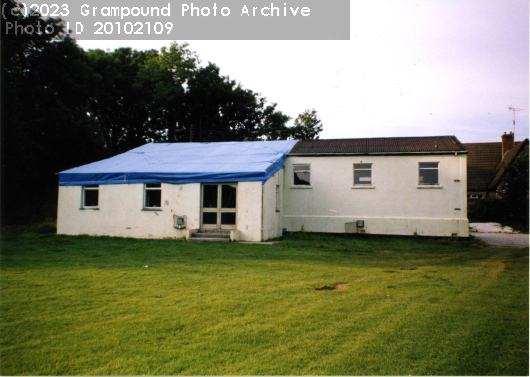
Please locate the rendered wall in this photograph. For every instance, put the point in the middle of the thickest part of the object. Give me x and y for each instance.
(271, 218)
(249, 216)
(396, 204)
(120, 211)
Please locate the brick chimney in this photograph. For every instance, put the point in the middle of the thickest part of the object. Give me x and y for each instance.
(507, 142)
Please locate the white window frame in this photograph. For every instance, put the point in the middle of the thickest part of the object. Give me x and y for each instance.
(371, 183)
(83, 196)
(152, 189)
(437, 168)
(301, 171)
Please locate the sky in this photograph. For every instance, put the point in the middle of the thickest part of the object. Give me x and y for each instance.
(410, 68)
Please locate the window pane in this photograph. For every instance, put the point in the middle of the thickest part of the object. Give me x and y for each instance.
(428, 176)
(228, 218)
(228, 197)
(153, 185)
(209, 218)
(428, 165)
(302, 178)
(153, 198)
(91, 197)
(209, 198)
(362, 177)
(301, 167)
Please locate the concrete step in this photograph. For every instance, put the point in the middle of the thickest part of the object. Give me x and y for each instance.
(216, 231)
(209, 239)
(210, 235)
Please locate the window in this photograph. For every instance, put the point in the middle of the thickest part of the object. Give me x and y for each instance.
(302, 175)
(153, 195)
(277, 198)
(90, 196)
(429, 173)
(362, 174)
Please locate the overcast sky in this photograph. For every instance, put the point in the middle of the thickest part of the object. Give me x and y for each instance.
(410, 68)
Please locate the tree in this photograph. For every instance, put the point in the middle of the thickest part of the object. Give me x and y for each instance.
(307, 126)
(515, 189)
(166, 75)
(67, 107)
(45, 127)
(219, 109)
(118, 102)
(274, 124)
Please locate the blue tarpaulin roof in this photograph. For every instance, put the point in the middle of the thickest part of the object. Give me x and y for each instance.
(185, 163)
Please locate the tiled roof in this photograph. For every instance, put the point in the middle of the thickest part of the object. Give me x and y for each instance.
(482, 159)
(507, 159)
(388, 145)
(485, 165)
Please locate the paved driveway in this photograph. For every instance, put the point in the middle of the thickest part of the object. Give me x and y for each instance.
(494, 234)
(503, 239)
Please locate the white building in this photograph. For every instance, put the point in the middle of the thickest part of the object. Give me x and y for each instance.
(253, 191)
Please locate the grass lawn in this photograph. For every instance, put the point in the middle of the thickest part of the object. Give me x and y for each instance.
(89, 306)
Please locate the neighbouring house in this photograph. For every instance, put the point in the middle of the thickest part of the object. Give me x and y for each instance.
(254, 191)
(487, 163)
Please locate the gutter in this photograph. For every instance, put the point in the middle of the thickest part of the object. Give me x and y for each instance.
(376, 154)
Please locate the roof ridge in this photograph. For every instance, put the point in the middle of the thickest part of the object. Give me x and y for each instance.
(386, 137)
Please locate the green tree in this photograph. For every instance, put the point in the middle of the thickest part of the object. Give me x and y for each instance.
(307, 126)
(65, 107)
(219, 109)
(274, 124)
(45, 128)
(165, 76)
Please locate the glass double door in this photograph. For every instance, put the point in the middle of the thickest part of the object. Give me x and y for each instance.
(218, 206)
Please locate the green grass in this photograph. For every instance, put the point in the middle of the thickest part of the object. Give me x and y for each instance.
(88, 306)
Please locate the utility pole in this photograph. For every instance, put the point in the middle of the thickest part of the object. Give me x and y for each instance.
(514, 109)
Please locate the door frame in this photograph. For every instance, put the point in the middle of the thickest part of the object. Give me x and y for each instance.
(219, 210)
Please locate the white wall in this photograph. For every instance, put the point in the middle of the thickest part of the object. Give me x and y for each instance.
(272, 227)
(395, 205)
(249, 216)
(120, 211)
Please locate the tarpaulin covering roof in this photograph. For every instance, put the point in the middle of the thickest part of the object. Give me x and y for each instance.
(185, 163)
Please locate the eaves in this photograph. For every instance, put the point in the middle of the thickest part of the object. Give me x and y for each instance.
(375, 154)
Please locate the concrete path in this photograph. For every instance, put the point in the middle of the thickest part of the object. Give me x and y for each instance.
(490, 228)
(503, 239)
(494, 234)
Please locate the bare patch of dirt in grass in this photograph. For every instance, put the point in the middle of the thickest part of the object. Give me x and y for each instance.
(333, 287)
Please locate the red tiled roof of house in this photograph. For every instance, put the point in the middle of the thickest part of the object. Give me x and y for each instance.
(387, 145)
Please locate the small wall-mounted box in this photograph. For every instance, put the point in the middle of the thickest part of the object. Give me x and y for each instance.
(355, 227)
(179, 222)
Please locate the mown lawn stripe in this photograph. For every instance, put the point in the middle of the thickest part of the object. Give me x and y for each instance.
(87, 305)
